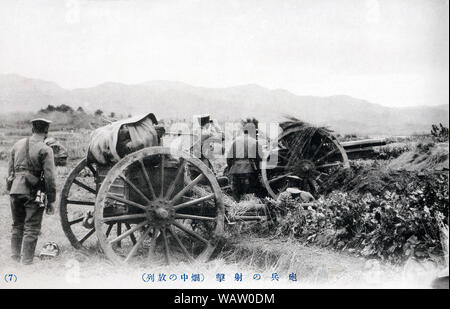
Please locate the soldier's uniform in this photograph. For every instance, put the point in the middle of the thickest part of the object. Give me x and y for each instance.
(26, 170)
(243, 160)
(204, 137)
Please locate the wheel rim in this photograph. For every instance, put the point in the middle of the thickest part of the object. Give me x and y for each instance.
(171, 220)
(191, 173)
(306, 169)
(76, 205)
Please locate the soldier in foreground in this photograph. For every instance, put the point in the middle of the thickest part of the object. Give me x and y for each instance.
(31, 173)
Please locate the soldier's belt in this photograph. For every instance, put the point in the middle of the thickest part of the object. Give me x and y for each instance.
(24, 171)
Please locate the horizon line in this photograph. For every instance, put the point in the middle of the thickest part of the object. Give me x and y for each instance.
(227, 87)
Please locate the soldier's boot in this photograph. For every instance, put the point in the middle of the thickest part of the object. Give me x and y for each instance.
(28, 248)
(32, 229)
(16, 248)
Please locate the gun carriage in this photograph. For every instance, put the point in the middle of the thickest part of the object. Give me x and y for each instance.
(303, 158)
(138, 200)
(142, 204)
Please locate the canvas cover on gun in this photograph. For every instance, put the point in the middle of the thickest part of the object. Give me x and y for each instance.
(104, 140)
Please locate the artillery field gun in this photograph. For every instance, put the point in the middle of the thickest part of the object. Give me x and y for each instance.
(144, 201)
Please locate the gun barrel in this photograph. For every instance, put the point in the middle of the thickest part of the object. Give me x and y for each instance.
(363, 144)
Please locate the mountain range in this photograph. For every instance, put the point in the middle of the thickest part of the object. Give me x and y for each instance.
(176, 100)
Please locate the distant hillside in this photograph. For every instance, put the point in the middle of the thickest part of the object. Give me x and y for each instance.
(178, 100)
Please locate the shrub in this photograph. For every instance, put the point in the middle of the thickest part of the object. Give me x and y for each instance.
(440, 133)
(394, 150)
(392, 227)
(63, 108)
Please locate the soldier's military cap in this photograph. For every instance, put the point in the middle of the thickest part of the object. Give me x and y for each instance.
(41, 120)
(203, 119)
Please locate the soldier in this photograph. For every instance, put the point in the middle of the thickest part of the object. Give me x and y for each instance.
(205, 136)
(31, 170)
(243, 161)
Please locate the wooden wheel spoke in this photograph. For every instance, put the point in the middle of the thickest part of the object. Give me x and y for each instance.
(317, 151)
(194, 217)
(136, 189)
(91, 168)
(133, 238)
(76, 202)
(155, 236)
(191, 233)
(161, 193)
(89, 234)
(279, 177)
(75, 221)
(312, 184)
(108, 231)
(283, 188)
(119, 232)
(329, 165)
(326, 155)
(180, 174)
(318, 181)
(194, 202)
(138, 244)
(124, 217)
(85, 187)
(147, 179)
(180, 244)
(321, 173)
(186, 189)
(166, 246)
(282, 157)
(125, 201)
(128, 232)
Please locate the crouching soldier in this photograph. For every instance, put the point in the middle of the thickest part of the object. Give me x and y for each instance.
(31, 172)
(243, 161)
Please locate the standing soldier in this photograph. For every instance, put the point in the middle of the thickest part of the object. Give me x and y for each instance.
(31, 172)
(243, 161)
(205, 136)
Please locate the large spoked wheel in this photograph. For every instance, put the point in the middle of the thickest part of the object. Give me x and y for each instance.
(76, 205)
(168, 218)
(302, 166)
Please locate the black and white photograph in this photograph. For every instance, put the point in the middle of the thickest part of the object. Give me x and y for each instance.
(224, 145)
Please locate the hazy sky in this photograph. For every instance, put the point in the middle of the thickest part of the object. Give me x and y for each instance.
(391, 52)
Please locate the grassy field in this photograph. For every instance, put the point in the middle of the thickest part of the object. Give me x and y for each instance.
(250, 253)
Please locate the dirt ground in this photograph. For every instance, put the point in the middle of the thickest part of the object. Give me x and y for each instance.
(314, 267)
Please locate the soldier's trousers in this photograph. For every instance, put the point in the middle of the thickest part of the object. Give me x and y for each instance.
(27, 219)
(243, 183)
